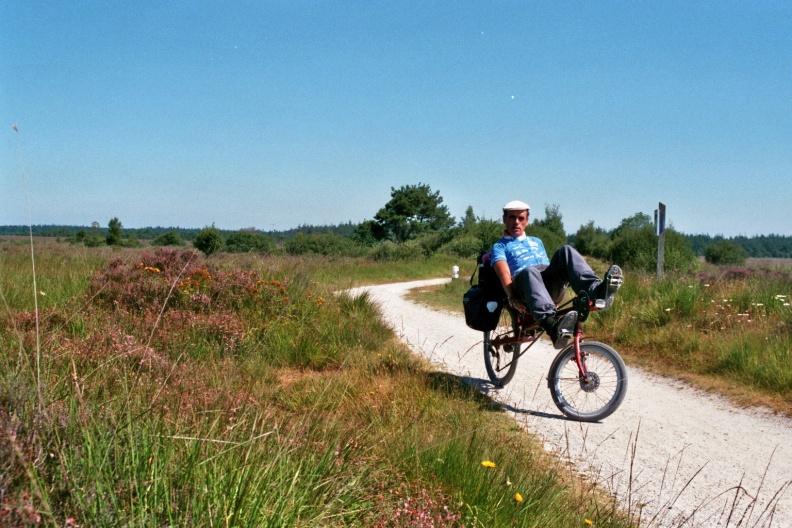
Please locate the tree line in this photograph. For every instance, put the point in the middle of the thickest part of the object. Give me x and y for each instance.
(150, 233)
(415, 223)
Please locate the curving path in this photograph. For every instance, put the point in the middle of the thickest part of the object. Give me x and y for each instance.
(672, 454)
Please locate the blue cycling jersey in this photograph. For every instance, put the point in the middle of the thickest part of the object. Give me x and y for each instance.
(519, 253)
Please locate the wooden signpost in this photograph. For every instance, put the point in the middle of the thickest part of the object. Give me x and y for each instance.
(659, 220)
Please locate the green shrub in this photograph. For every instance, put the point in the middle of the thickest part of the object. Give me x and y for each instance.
(131, 242)
(679, 254)
(88, 240)
(249, 242)
(465, 247)
(390, 251)
(432, 242)
(637, 249)
(171, 238)
(593, 241)
(726, 252)
(209, 240)
(93, 241)
(322, 244)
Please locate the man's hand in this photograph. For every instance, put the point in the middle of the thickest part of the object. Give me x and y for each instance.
(517, 304)
(502, 271)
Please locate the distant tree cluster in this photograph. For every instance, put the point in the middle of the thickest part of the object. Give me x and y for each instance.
(112, 236)
(762, 246)
(415, 223)
(69, 231)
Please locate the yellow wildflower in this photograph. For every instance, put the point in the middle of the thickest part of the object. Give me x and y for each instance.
(488, 463)
(589, 522)
(518, 497)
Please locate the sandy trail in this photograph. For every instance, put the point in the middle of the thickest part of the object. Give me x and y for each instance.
(679, 456)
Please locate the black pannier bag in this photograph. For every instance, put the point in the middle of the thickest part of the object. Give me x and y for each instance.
(484, 301)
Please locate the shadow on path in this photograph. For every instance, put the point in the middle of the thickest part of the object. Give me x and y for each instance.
(480, 391)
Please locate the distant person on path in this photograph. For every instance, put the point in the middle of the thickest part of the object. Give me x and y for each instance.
(532, 281)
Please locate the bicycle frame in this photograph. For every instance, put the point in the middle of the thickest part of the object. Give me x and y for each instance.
(529, 332)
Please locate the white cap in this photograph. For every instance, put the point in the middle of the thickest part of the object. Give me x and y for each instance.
(516, 205)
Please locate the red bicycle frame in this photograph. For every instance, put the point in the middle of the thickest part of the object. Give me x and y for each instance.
(531, 328)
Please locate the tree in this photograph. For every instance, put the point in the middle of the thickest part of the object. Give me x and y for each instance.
(550, 230)
(413, 210)
(552, 221)
(209, 240)
(726, 252)
(368, 233)
(468, 222)
(635, 222)
(114, 235)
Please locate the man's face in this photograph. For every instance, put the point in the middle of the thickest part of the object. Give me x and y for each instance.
(515, 222)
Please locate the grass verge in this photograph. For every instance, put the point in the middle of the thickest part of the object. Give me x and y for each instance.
(169, 389)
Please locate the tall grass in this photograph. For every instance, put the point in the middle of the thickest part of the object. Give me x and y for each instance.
(233, 391)
(731, 327)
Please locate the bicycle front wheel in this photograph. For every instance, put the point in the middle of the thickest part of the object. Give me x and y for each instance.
(501, 359)
(601, 395)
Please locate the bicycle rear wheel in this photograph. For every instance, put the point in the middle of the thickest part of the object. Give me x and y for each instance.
(501, 359)
(601, 395)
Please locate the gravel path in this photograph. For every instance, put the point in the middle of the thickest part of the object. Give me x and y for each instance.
(678, 456)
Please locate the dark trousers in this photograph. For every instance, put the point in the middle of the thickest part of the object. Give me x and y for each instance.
(542, 287)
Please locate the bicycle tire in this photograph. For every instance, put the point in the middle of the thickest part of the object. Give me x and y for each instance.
(596, 399)
(501, 360)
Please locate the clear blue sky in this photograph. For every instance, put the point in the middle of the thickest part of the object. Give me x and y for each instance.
(273, 114)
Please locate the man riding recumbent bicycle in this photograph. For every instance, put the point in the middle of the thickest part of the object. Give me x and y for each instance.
(519, 288)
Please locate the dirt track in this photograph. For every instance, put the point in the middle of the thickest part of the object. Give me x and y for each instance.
(677, 455)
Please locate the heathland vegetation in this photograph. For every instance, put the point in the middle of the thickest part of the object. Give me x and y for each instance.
(143, 387)
(233, 386)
